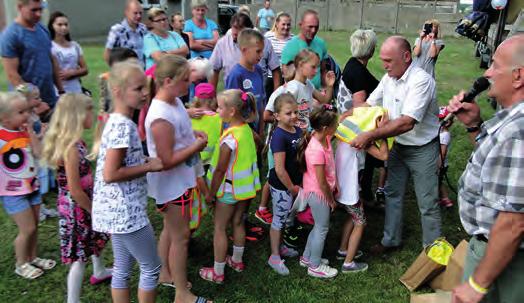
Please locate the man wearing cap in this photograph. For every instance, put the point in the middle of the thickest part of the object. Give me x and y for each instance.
(491, 189)
(129, 33)
(227, 53)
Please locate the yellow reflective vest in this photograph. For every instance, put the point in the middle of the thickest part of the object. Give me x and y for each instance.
(245, 176)
(363, 119)
(211, 124)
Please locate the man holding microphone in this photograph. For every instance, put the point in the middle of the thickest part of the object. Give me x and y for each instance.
(491, 189)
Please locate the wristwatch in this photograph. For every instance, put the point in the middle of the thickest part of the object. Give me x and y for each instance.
(474, 128)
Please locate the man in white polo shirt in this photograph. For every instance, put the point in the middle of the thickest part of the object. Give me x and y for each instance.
(409, 95)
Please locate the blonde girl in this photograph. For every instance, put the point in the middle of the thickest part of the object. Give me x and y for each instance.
(45, 175)
(315, 157)
(301, 87)
(171, 138)
(120, 191)
(19, 183)
(65, 151)
(234, 180)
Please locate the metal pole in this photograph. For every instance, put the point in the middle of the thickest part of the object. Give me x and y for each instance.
(361, 14)
(396, 17)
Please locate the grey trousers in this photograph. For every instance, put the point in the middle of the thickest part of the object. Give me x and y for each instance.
(317, 236)
(421, 163)
(507, 288)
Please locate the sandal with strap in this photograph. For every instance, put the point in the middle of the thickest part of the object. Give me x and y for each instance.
(208, 274)
(28, 271)
(202, 300)
(45, 264)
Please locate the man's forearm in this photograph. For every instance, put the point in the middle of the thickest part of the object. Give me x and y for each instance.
(393, 128)
(505, 237)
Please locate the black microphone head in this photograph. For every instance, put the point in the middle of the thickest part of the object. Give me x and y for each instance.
(481, 84)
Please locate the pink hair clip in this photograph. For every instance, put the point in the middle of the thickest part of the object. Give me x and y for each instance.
(328, 106)
(243, 96)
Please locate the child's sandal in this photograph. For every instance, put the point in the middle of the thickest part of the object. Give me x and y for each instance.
(208, 274)
(28, 271)
(45, 264)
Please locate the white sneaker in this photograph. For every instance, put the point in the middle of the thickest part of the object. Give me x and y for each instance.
(305, 262)
(49, 212)
(322, 271)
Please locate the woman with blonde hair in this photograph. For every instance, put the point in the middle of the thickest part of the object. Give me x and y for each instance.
(428, 46)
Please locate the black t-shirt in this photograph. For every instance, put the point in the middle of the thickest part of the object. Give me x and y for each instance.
(284, 141)
(357, 77)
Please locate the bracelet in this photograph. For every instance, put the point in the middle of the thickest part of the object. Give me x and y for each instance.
(476, 287)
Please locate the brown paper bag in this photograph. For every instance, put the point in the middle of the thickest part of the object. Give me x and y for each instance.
(422, 270)
(452, 276)
(439, 297)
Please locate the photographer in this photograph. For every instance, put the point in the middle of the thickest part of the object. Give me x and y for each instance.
(428, 46)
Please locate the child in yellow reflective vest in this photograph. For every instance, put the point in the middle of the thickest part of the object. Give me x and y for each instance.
(234, 180)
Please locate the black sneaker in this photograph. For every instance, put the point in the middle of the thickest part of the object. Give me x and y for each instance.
(291, 236)
(380, 198)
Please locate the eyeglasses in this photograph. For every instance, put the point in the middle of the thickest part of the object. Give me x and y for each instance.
(160, 20)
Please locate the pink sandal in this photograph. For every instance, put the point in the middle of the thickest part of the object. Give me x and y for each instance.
(208, 274)
(236, 266)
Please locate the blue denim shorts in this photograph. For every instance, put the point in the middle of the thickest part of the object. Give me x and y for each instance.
(17, 204)
(228, 198)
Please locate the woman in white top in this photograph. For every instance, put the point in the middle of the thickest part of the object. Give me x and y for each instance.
(280, 34)
(67, 53)
(160, 41)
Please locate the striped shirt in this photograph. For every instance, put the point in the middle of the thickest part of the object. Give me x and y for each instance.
(278, 45)
(493, 180)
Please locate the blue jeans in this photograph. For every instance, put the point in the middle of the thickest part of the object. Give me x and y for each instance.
(421, 163)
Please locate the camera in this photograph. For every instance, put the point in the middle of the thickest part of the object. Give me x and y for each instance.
(428, 27)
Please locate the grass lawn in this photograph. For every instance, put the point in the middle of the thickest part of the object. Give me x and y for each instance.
(456, 69)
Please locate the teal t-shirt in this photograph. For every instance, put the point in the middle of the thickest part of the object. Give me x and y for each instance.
(154, 43)
(295, 45)
(266, 18)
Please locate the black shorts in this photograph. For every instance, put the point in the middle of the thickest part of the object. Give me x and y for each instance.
(185, 199)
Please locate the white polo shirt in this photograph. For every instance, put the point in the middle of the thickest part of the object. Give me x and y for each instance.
(412, 95)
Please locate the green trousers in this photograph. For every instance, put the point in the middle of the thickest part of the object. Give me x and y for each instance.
(509, 285)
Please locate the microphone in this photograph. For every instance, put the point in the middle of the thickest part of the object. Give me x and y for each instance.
(480, 85)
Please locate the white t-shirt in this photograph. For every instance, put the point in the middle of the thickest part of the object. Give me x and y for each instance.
(346, 166)
(303, 93)
(232, 144)
(412, 95)
(167, 185)
(120, 207)
(67, 58)
(445, 139)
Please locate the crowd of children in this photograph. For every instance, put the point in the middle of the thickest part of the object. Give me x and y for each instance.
(208, 152)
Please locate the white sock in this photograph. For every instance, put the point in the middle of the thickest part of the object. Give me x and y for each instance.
(238, 252)
(219, 268)
(342, 252)
(74, 281)
(350, 264)
(99, 271)
(262, 208)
